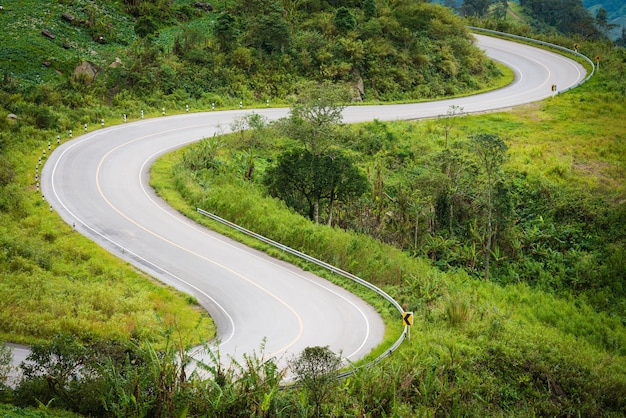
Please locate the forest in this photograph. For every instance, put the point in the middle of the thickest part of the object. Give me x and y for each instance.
(505, 233)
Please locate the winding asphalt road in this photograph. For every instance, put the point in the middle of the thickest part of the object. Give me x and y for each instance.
(99, 183)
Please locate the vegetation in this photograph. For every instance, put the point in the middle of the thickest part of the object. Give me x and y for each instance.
(568, 17)
(532, 339)
(51, 278)
(245, 51)
(432, 192)
(543, 336)
(315, 370)
(99, 65)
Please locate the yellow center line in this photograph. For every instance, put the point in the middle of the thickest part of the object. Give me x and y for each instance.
(278, 299)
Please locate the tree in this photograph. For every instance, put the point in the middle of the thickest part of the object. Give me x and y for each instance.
(491, 153)
(315, 370)
(264, 25)
(453, 164)
(344, 20)
(63, 371)
(370, 8)
(450, 120)
(225, 31)
(304, 180)
(314, 118)
(568, 16)
(342, 181)
(500, 8)
(475, 7)
(602, 21)
(458, 172)
(269, 33)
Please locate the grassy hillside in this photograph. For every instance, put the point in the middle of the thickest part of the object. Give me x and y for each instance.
(34, 58)
(544, 337)
(179, 59)
(523, 347)
(53, 280)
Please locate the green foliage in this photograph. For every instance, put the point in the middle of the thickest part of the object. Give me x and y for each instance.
(344, 20)
(225, 31)
(500, 348)
(315, 369)
(24, 48)
(203, 155)
(204, 50)
(145, 26)
(306, 181)
(370, 8)
(269, 33)
(67, 374)
(315, 116)
(475, 7)
(568, 17)
(6, 365)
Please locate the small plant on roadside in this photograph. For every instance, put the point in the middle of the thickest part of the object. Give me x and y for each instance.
(315, 370)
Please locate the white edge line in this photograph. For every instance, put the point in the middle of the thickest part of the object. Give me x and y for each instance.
(106, 238)
(203, 231)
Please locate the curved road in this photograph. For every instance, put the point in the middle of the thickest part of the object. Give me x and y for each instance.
(99, 183)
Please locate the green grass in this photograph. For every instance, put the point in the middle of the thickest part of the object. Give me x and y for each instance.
(569, 139)
(55, 280)
(23, 48)
(41, 412)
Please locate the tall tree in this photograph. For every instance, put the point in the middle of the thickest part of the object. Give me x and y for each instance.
(225, 31)
(500, 8)
(475, 7)
(491, 152)
(342, 181)
(314, 118)
(370, 8)
(305, 181)
(453, 163)
(269, 32)
(344, 20)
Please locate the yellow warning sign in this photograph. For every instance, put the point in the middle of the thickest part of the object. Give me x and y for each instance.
(407, 319)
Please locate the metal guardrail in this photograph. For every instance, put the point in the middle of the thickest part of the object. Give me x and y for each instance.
(332, 269)
(548, 44)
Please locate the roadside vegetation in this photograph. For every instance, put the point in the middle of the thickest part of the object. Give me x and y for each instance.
(513, 265)
(552, 308)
